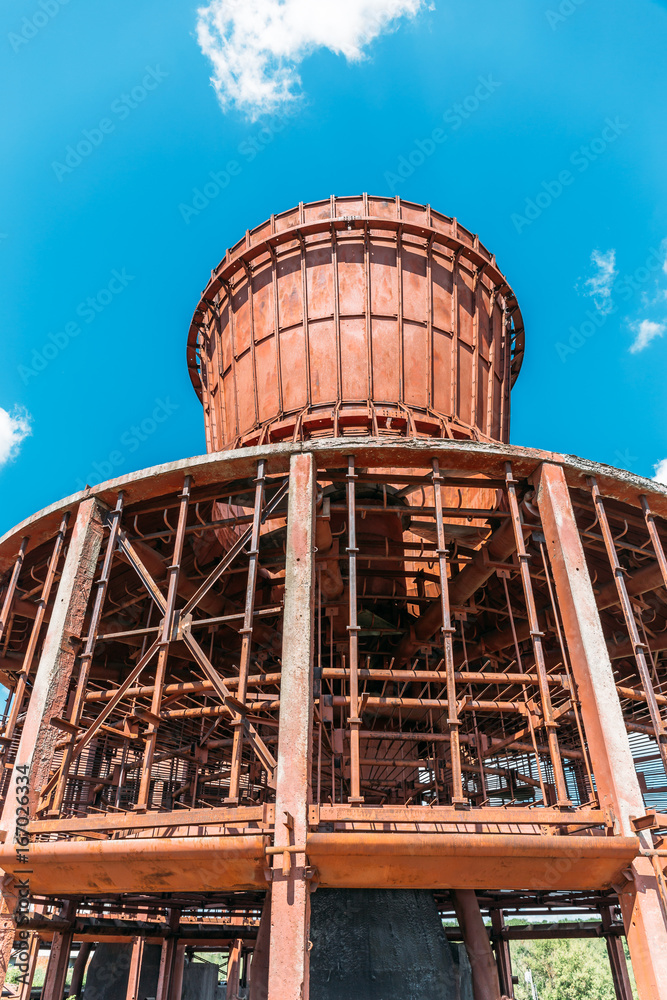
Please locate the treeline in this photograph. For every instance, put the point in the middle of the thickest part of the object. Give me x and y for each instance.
(564, 970)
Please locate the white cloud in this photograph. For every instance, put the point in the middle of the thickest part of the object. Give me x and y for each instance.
(660, 470)
(645, 332)
(14, 428)
(601, 284)
(255, 46)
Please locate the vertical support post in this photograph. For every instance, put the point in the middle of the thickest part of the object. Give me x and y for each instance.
(485, 983)
(447, 630)
(7, 921)
(353, 630)
(246, 631)
(168, 959)
(536, 635)
(36, 629)
(640, 648)
(234, 970)
(51, 686)
(655, 538)
(6, 612)
(79, 970)
(136, 959)
(259, 968)
(619, 966)
(177, 975)
(290, 894)
(61, 946)
(613, 767)
(31, 966)
(165, 638)
(503, 954)
(89, 648)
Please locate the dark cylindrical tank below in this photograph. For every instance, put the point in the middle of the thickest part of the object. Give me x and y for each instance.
(356, 316)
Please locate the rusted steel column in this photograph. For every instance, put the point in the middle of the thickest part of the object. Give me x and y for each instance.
(30, 966)
(143, 801)
(86, 657)
(613, 767)
(136, 959)
(79, 969)
(61, 946)
(353, 631)
(36, 630)
(485, 982)
(447, 630)
(234, 970)
(640, 648)
(290, 899)
(259, 968)
(7, 921)
(51, 685)
(246, 631)
(177, 975)
(619, 966)
(6, 612)
(536, 635)
(503, 954)
(168, 959)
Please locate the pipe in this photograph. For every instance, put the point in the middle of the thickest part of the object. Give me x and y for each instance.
(485, 982)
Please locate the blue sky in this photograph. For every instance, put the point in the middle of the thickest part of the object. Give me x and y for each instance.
(560, 169)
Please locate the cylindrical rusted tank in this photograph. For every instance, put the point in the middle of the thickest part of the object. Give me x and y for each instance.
(361, 315)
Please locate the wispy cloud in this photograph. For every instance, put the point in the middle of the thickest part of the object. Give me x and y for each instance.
(14, 428)
(653, 301)
(600, 286)
(645, 332)
(255, 46)
(660, 470)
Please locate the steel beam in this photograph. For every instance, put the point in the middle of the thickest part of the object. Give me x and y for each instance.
(79, 970)
(168, 959)
(611, 757)
(619, 966)
(234, 970)
(136, 959)
(503, 954)
(259, 969)
(30, 968)
(8, 903)
(485, 983)
(290, 906)
(51, 686)
(61, 946)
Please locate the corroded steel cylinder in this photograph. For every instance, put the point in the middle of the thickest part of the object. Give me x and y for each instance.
(354, 316)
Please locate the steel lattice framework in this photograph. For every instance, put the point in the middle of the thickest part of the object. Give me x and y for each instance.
(375, 655)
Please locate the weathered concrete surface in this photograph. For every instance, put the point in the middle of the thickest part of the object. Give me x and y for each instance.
(380, 944)
(51, 685)
(290, 890)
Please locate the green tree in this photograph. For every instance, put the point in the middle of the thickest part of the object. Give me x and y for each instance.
(563, 969)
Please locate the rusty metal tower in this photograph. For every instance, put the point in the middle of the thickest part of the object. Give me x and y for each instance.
(363, 645)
